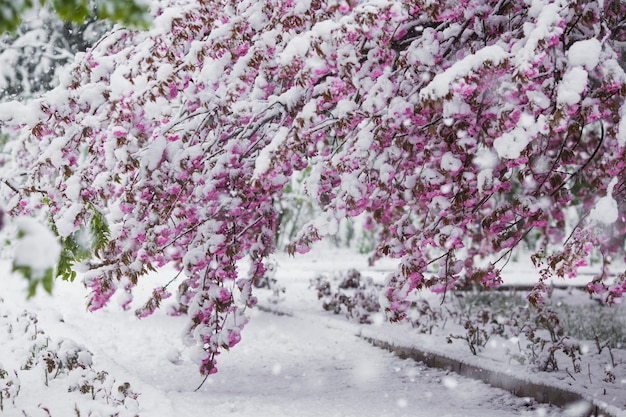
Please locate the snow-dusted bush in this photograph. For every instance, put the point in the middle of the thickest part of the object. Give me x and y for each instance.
(353, 295)
(457, 128)
(478, 329)
(9, 387)
(44, 361)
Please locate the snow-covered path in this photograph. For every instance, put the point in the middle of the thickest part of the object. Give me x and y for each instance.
(308, 364)
(290, 366)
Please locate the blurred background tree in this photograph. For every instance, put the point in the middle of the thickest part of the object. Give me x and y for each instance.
(133, 13)
(34, 55)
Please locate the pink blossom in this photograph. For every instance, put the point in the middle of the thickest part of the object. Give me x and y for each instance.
(597, 288)
(366, 112)
(119, 133)
(234, 337)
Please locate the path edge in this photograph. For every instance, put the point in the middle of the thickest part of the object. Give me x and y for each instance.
(543, 393)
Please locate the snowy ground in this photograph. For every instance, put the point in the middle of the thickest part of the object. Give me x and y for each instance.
(310, 363)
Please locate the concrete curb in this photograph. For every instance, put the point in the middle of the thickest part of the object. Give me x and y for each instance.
(542, 393)
(519, 387)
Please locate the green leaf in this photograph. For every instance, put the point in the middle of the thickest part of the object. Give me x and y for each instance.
(72, 10)
(46, 280)
(77, 248)
(131, 13)
(100, 230)
(66, 260)
(4, 139)
(72, 251)
(11, 12)
(32, 287)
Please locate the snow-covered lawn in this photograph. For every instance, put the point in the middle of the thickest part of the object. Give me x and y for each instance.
(305, 363)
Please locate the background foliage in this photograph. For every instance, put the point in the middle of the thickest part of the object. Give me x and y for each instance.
(134, 13)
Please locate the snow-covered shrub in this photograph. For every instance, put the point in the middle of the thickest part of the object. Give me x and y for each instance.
(9, 386)
(101, 386)
(479, 328)
(268, 280)
(539, 329)
(64, 357)
(604, 325)
(44, 361)
(541, 337)
(482, 314)
(425, 318)
(354, 296)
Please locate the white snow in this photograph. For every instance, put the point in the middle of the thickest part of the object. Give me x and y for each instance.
(451, 163)
(264, 159)
(165, 71)
(441, 84)
(572, 86)
(426, 54)
(213, 68)
(455, 107)
(17, 113)
(38, 248)
(308, 363)
(546, 25)
(605, 211)
(298, 46)
(66, 219)
(301, 6)
(154, 153)
(585, 53)
(511, 144)
(484, 179)
(120, 84)
(621, 130)
(72, 188)
(431, 176)
(9, 109)
(354, 187)
(439, 204)
(539, 98)
(485, 158)
(450, 382)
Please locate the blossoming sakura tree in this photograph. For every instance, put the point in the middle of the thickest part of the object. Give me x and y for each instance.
(459, 128)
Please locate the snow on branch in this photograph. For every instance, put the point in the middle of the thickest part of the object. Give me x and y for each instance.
(460, 130)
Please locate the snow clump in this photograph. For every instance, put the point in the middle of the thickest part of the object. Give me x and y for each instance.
(605, 211)
(37, 248)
